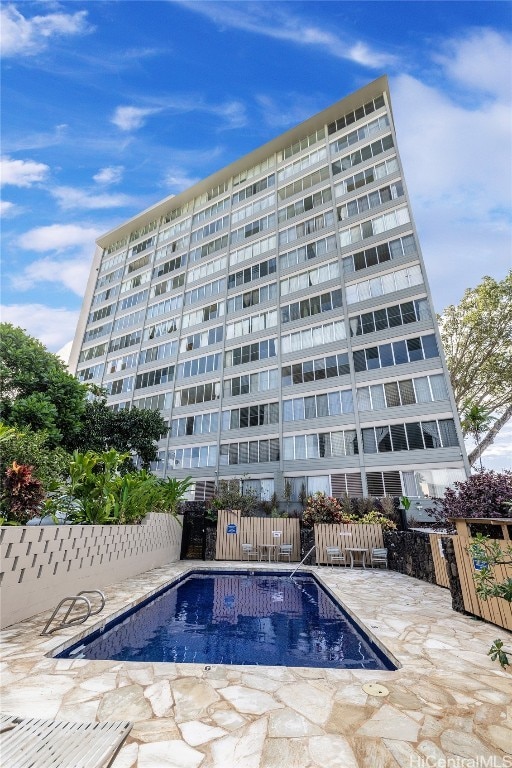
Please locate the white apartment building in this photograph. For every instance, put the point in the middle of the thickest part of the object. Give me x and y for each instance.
(278, 314)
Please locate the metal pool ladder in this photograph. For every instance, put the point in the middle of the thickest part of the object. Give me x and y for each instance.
(302, 561)
(80, 597)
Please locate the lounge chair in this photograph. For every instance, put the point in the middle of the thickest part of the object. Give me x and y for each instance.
(35, 743)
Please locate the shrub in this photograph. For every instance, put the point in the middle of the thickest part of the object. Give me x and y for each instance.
(484, 494)
(23, 493)
(377, 518)
(324, 509)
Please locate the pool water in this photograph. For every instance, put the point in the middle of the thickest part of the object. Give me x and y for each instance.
(237, 618)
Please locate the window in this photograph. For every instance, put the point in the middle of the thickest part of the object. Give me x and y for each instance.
(203, 339)
(161, 329)
(153, 378)
(209, 229)
(202, 393)
(314, 370)
(300, 145)
(251, 416)
(251, 298)
(375, 226)
(317, 406)
(168, 285)
(160, 402)
(392, 354)
(384, 484)
(252, 452)
(212, 210)
(255, 272)
(198, 424)
(94, 372)
(431, 482)
(205, 291)
(391, 317)
(362, 155)
(307, 227)
(302, 163)
(92, 352)
(251, 324)
(251, 383)
(313, 337)
(389, 283)
(255, 207)
(210, 312)
(132, 319)
(121, 342)
(207, 269)
(311, 306)
(307, 252)
(358, 114)
(253, 189)
(169, 266)
(373, 200)
(309, 203)
(255, 249)
(191, 457)
(119, 386)
(205, 250)
(304, 280)
(198, 366)
(368, 176)
(122, 363)
(320, 445)
(412, 436)
(246, 354)
(394, 249)
(306, 181)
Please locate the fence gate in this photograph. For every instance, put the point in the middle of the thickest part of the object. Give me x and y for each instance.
(193, 541)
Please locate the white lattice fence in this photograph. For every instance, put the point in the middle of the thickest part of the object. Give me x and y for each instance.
(39, 565)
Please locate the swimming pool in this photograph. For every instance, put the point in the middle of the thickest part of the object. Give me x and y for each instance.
(242, 617)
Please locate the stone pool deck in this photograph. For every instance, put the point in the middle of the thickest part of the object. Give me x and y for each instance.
(447, 700)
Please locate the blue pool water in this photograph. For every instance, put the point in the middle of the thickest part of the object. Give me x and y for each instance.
(237, 618)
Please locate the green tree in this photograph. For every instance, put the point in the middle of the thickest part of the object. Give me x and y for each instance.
(477, 340)
(29, 447)
(133, 431)
(475, 421)
(37, 391)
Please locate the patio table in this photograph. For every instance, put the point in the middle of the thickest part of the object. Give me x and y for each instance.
(360, 551)
(267, 550)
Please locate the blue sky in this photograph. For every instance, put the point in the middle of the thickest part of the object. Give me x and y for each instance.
(110, 106)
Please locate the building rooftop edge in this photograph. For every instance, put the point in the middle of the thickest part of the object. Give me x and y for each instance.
(344, 105)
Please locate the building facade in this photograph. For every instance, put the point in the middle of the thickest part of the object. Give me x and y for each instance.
(278, 315)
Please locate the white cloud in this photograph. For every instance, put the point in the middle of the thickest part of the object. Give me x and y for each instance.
(24, 36)
(131, 118)
(59, 237)
(52, 326)
(289, 109)
(271, 21)
(70, 198)
(8, 209)
(71, 273)
(177, 179)
(21, 173)
(481, 60)
(112, 174)
(456, 160)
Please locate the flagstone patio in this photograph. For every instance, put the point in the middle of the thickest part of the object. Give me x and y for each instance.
(447, 699)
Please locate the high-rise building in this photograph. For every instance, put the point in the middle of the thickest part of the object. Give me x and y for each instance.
(278, 314)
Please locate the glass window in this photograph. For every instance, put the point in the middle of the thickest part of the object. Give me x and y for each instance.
(378, 399)
(429, 346)
(300, 446)
(363, 399)
(398, 437)
(288, 410)
(322, 406)
(430, 434)
(414, 436)
(400, 352)
(438, 385)
(407, 392)
(369, 443)
(288, 448)
(386, 355)
(383, 439)
(392, 394)
(448, 433)
(422, 389)
(318, 484)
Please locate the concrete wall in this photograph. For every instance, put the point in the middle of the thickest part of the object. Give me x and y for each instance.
(39, 565)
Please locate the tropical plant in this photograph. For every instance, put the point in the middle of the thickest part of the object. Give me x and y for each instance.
(377, 518)
(489, 554)
(23, 494)
(477, 340)
(229, 496)
(484, 494)
(475, 420)
(172, 493)
(322, 509)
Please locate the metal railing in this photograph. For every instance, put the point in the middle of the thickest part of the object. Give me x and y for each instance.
(73, 600)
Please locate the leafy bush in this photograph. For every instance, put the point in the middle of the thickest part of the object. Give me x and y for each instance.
(324, 509)
(484, 494)
(377, 518)
(23, 494)
(228, 496)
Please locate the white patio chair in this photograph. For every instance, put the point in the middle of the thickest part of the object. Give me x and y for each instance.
(285, 550)
(335, 555)
(248, 551)
(379, 556)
